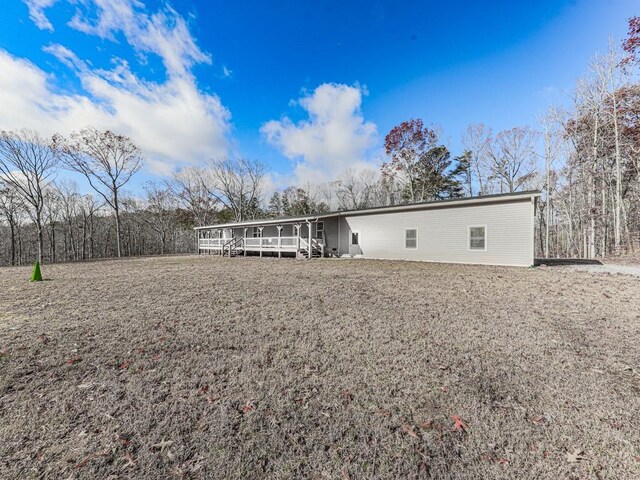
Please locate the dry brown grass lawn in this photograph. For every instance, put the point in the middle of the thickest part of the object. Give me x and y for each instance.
(202, 367)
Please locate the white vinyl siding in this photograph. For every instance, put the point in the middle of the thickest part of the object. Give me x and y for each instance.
(443, 234)
(411, 238)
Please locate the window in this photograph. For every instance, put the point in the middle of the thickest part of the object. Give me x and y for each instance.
(320, 230)
(478, 238)
(256, 232)
(354, 238)
(411, 238)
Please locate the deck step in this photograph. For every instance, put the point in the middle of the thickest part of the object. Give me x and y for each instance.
(304, 253)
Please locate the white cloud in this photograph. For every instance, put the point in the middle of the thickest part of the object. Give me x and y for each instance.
(334, 138)
(164, 33)
(172, 121)
(36, 13)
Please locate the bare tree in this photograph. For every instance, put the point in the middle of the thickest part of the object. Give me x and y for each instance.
(512, 155)
(187, 186)
(476, 140)
(236, 184)
(10, 208)
(107, 160)
(551, 147)
(358, 189)
(159, 213)
(590, 105)
(51, 214)
(326, 194)
(610, 79)
(89, 207)
(70, 208)
(28, 165)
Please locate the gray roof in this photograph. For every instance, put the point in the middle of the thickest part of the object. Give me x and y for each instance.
(448, 203)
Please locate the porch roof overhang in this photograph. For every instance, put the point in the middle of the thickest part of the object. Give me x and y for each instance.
(449, 203)
(270, 221)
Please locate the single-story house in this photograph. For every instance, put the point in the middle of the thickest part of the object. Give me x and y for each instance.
(490, 229)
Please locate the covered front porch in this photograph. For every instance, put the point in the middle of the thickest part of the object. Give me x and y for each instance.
(302, 238)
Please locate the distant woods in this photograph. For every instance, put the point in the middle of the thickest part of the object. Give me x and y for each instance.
(44, 216)
(584, 157)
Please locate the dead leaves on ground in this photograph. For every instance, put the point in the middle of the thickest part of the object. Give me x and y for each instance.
(426, 425)
(490, 457)
(209, 397)
(413, 431)
(347, 397)
(458, 424)
(123, 440)
(538, 420)
(408, 429)
(91, 457)
(162, 445)
(575, 455)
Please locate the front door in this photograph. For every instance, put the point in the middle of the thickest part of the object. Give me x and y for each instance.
(354, 242)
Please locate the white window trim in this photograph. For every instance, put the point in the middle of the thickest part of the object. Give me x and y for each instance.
(486, 238)
(405, 238)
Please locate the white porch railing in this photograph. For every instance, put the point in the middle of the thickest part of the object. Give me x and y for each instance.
(261, 244)
(271, 243)
(212, 243)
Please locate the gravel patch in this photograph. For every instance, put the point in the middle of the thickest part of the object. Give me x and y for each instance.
(208, 367)
(633, 270)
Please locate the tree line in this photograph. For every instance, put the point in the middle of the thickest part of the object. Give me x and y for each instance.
(585, 158)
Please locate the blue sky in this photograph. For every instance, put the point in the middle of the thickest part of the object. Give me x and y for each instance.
(310, 88)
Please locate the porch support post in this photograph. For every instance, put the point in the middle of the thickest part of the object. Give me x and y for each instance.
(244, 250)
(297, 228)
(279, 241)
(309, 247)
(260, 230)
(339, 239)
